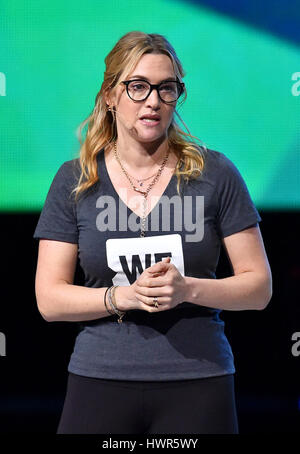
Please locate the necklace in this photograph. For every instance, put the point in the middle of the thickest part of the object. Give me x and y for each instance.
(141, 180)
(144, 193)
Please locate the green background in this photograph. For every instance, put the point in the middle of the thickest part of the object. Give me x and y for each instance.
(239, 82)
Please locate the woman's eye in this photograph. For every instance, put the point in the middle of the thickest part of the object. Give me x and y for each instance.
(138, 87)
(167, 87)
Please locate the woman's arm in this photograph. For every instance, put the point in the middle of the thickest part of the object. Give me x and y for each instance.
(57, 298)
(249, 288)
(251, 285)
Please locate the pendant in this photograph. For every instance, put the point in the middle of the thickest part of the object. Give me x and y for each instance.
(141, 184)
(138, 190)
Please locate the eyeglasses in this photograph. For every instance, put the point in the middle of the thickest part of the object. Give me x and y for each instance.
(139, 90)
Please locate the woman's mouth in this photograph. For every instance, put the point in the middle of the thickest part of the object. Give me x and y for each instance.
(149, 120)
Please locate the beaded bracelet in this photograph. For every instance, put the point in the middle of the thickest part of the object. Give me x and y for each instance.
(105, 302)
(114, 305)
(112, 302)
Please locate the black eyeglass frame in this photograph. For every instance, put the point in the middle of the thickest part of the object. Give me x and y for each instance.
(154, 87)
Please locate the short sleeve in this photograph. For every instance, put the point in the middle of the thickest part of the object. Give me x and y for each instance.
(236, 210)
(58, 220)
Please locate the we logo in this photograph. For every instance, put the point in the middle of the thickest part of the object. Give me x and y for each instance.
(129, 257)
(135, 265)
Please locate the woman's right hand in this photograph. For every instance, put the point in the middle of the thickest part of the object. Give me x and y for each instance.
(125, 298)
(125, 295)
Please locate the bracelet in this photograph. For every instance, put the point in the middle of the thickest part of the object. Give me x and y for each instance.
(105, 302)
(112, 303)
(113, 298)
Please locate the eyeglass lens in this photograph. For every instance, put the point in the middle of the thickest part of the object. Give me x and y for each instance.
(139, 90)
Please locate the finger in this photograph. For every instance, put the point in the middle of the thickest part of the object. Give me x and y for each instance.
(148, 291)
(149, 300)
(157, 274)
(153, 309)
(151, 282)
(161, 266)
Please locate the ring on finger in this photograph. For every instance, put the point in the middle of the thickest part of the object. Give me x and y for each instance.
(155, 301)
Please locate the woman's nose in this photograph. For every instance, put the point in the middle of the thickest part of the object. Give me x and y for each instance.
(153, 99)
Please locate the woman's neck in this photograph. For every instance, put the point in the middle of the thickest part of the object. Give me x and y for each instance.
(141, 157)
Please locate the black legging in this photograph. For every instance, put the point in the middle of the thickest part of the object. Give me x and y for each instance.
(197, 406)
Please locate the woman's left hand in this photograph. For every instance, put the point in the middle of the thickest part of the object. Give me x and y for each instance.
(163, 281)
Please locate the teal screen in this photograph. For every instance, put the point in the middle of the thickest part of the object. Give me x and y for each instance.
(243, 87)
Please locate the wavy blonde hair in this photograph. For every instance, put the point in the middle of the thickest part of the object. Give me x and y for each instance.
(102, 129)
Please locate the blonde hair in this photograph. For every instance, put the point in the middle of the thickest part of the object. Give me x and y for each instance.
(101, 122)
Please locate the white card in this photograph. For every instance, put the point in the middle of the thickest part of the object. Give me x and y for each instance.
(129, 257)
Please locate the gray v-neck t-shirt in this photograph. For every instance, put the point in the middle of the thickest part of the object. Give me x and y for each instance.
(187, 341)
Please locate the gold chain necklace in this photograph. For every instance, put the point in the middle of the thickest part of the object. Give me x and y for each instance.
(141, 180)
(145, 193)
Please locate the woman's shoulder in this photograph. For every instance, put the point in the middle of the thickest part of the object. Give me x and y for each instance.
(66, 177)
(215, 161)
(218, 168)
(69, 170)
(214, 156)
(70, 165)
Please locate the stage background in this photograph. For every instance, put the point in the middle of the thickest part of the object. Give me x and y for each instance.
(242, 64)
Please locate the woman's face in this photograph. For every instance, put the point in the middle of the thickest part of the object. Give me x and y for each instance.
(154, 68)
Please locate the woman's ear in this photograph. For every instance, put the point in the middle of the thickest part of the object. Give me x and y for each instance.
(110, 97)
(106, 98)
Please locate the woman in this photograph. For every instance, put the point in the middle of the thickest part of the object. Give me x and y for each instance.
(145, 210)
